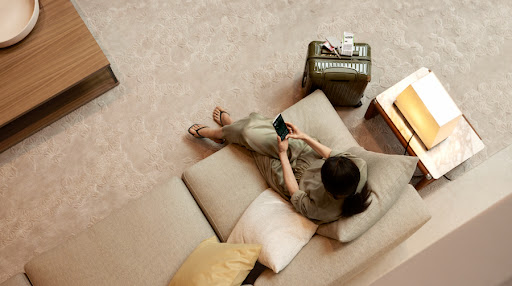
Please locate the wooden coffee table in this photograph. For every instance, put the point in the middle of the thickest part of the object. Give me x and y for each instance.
(462, 144)
(54, 70)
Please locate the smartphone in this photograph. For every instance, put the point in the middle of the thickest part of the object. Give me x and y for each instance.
(280, 126)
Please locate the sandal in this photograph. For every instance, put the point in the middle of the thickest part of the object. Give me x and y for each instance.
(198, 135)
(220, 117)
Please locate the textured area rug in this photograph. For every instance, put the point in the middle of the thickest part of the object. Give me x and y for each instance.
(177, 60)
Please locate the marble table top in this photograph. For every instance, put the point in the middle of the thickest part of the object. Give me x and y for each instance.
(457, 148)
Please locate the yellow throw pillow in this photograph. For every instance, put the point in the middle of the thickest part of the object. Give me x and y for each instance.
(214, 263)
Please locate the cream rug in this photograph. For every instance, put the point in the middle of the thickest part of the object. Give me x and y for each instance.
(176, 60)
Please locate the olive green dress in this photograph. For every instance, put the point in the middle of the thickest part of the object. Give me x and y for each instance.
(257, 134)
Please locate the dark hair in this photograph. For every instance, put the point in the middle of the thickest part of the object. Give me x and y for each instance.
(340, 177)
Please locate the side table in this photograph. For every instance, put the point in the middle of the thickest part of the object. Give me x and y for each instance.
(462, 144)
(57, 68)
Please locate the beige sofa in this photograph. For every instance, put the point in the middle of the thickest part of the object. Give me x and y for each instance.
(146, 241)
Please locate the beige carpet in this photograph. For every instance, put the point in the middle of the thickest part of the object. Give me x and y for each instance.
(176, 60)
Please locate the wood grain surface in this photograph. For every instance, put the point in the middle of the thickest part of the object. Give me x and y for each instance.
(58, 54)
(54, 109)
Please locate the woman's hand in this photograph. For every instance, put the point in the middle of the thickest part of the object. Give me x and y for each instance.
(319, 148)
(295, 132)
(282, 145)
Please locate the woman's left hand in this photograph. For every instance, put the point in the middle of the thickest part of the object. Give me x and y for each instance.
(282, 145)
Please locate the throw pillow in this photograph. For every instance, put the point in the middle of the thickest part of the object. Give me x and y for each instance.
(214, 263)
(387, 177)
(273, 222)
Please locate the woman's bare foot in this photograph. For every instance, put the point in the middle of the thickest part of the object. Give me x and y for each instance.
(221, 116)
(206, 132)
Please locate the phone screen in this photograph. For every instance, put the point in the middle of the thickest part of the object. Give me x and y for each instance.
(280, 126)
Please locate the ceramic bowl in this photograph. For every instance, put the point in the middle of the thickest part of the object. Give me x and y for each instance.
(17, 19)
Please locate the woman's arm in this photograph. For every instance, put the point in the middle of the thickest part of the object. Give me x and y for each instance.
(300, 200)
(289, 179)
(319, 148)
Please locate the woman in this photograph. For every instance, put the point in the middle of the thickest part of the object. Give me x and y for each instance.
(322, 184)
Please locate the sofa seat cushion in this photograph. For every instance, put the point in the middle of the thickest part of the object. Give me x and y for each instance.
(330, 262)
(224, 184)
(17, 280)
(143, 243)
(232, 173)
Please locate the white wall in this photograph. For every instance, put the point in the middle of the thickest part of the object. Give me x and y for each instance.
(477, 253)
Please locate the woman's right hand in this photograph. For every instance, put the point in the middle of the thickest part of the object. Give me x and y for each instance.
(282, 145)
(295, 132)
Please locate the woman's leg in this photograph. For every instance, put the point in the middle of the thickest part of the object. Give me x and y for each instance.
(221, 116)
(254, 132)
(215, 134)
(201, 130)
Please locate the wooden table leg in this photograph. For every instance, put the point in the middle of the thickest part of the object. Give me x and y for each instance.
(425, 181)
(371, 112)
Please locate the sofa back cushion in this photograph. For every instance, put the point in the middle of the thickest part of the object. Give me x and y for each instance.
(143, 243)
(387, 177)
(316, 116)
